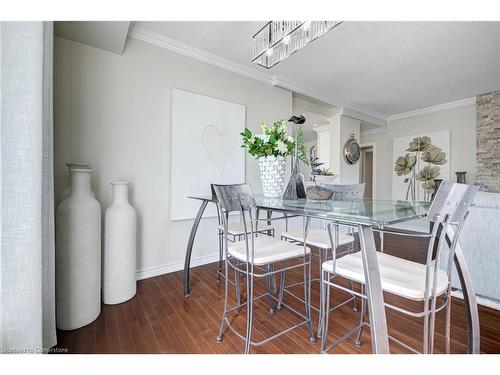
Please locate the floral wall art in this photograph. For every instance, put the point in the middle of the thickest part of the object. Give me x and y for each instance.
(419, 161)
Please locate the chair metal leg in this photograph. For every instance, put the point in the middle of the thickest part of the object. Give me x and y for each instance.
(221, 256)
(447, 333)
(350, 231)
(357, 342)
(320, 316)
(307, 296)
(248, 336)
(282, 288)
(425, 341)
(432, 325)
(237, 282)
(273, 280)
(354, 305)
(326, 313)
(226, 286)
(269, 290)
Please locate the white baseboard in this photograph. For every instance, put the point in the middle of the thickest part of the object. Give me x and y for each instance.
(146, 273)
(484, 301)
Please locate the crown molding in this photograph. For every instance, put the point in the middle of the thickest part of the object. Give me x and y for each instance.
(373, 131)
(435, 108)
(316, 94)
(322, 128)
(162, 41)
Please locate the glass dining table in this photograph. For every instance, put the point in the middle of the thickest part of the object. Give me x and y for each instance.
(366, 215)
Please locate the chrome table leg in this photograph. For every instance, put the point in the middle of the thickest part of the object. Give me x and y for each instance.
(376, 309)
(189, 249)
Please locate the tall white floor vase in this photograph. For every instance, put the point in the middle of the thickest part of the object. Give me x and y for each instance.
(67, 189)
(78, 254)
(120, 246)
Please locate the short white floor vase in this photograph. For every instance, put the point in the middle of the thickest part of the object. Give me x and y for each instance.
(272, 175)
(78, 254)
(120, 246)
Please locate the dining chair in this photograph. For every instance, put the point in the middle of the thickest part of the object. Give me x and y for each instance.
(254, 258)
(320, 239)
(235, 231)
(408, 280)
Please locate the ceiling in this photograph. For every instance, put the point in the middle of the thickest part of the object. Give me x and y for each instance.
(387, 68)
(108, 35)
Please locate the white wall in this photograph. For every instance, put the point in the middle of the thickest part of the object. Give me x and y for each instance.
(341, 129)
(113, 111)
(461, 121)
(303, 104)
(323, 141)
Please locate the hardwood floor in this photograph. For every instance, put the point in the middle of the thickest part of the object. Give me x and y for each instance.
(160, 320)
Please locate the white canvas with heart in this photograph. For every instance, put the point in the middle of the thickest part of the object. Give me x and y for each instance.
(219, 145)
(205, 148)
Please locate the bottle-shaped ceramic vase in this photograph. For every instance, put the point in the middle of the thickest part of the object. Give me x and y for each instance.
(67, 189)
(78, 254)
(120, 247)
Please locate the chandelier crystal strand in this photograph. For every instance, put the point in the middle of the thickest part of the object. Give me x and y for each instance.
(279, 39)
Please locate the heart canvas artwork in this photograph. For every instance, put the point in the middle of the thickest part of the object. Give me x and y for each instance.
(204, 149)
(219, 145)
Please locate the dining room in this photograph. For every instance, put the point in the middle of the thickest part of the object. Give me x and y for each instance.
(251, 187)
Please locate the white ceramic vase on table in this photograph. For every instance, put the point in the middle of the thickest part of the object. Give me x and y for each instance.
(272, 175)
(78, 254)
(120, 247)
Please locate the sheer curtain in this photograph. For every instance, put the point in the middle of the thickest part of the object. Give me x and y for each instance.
(27, 285)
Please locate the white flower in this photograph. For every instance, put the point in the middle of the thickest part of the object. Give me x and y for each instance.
(290, 139)
(264, 137)
(281, 147)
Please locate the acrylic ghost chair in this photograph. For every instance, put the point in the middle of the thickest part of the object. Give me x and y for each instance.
(253, 258)
(424, 283)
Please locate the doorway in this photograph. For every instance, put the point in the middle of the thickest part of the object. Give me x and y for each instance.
(366, 170)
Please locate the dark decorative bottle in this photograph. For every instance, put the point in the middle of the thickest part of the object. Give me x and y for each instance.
(461, 177)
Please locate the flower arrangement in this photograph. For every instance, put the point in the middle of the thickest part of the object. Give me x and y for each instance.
(421, 148)
(273, 141)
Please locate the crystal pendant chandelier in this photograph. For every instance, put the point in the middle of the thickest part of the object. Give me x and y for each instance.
(279, 39)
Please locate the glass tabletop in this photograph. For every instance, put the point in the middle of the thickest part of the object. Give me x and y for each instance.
(373, 212)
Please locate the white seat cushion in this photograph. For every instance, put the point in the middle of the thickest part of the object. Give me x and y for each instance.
(238, 229)
(399, 276)
(316, 237)
(267, 250)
